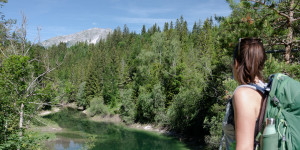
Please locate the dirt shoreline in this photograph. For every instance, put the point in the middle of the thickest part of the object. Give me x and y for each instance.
(105, 118)
(116, 119)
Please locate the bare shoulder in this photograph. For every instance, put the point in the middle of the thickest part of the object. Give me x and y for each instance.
(245, 92)
(247, 98)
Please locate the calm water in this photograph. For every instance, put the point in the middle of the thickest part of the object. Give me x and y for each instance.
(79, 132)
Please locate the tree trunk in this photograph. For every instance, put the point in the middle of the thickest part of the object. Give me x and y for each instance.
(287, 53)
(289, 39)
(21, 120)
(5, 126)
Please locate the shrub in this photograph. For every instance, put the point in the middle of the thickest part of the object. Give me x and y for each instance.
(127, 110)
(213, 121)
(273, 65)
(159, 104)
(145, 107)
(81, 96)
(184, 109)
(97, 106)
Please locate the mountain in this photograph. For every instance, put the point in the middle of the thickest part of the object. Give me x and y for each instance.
(91, 36)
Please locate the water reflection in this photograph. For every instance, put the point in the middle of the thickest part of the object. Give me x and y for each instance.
(62, 145)
(65, 143)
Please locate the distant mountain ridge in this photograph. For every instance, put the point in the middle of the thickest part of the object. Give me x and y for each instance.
(90, 36)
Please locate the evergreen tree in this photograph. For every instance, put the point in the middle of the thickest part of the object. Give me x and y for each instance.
(125, 31)
(171, 25)
(94, 81)
(143, 30)
(285, 15)
(166, 27)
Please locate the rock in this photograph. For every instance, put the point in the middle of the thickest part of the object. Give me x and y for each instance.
(148, 127)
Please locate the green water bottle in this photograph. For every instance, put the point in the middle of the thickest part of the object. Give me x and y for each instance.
(270, 127)
(270, 135)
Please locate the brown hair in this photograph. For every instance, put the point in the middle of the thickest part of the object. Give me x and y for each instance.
(250, 55)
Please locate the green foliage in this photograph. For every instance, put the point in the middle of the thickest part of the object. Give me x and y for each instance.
(151, 105)
(16, 90)
(145, 107)
(97, 107)
(90, 143)
(15, 69)
(175, 78)
(81, 98)
(70, 92)
(213, 122)
(30, 140)
(46, 95)
(159, 105)
(184, 109)
(128, 108)
(274, 65)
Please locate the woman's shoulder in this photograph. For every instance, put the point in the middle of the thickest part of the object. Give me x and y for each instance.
(246, 91)
(247, 98)
(244, 87)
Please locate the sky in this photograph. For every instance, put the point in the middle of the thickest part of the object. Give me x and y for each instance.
(63, 17)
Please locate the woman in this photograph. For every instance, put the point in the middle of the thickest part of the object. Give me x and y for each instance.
(249, 59)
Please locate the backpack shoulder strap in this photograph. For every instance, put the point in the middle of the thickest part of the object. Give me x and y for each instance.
(265, 91)
(259, 88)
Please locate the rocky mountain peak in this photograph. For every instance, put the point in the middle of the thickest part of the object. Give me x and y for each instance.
(90, 36)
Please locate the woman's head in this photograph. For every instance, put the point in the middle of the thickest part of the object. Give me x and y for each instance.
(249, 59)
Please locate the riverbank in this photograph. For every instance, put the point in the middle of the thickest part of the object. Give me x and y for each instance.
(51, 126)
(74, 128)
(111, 118)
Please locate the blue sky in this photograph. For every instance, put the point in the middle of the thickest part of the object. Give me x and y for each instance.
(63, 17)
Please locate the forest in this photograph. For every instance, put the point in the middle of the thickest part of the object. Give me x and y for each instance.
(168, 76)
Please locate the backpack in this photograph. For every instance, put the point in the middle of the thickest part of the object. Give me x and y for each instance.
(281, 101)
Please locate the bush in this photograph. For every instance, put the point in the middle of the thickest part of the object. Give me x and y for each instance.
(145, 107)
(97, 107)
(213, 121)
(81, 96)
(214, 124)
(273, 65)
(127, 110)
(184, 109)
(151, 105)
(159, 104)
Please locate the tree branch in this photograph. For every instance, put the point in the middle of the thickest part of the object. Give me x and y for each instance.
(295, 19)
(264, 4)
(38, 36)
(295, 5)
(3, 53)
(49, 70)
(34, 60)
(31, 84)
(15, 87)
(49, 104)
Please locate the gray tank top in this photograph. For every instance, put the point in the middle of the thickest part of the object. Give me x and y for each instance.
(228, 122)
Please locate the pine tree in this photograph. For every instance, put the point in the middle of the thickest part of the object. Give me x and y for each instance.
(166, 27)
(286, 14)
(143, 30)
(125, 31)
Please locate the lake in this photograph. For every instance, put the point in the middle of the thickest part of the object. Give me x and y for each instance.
(78, 132)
